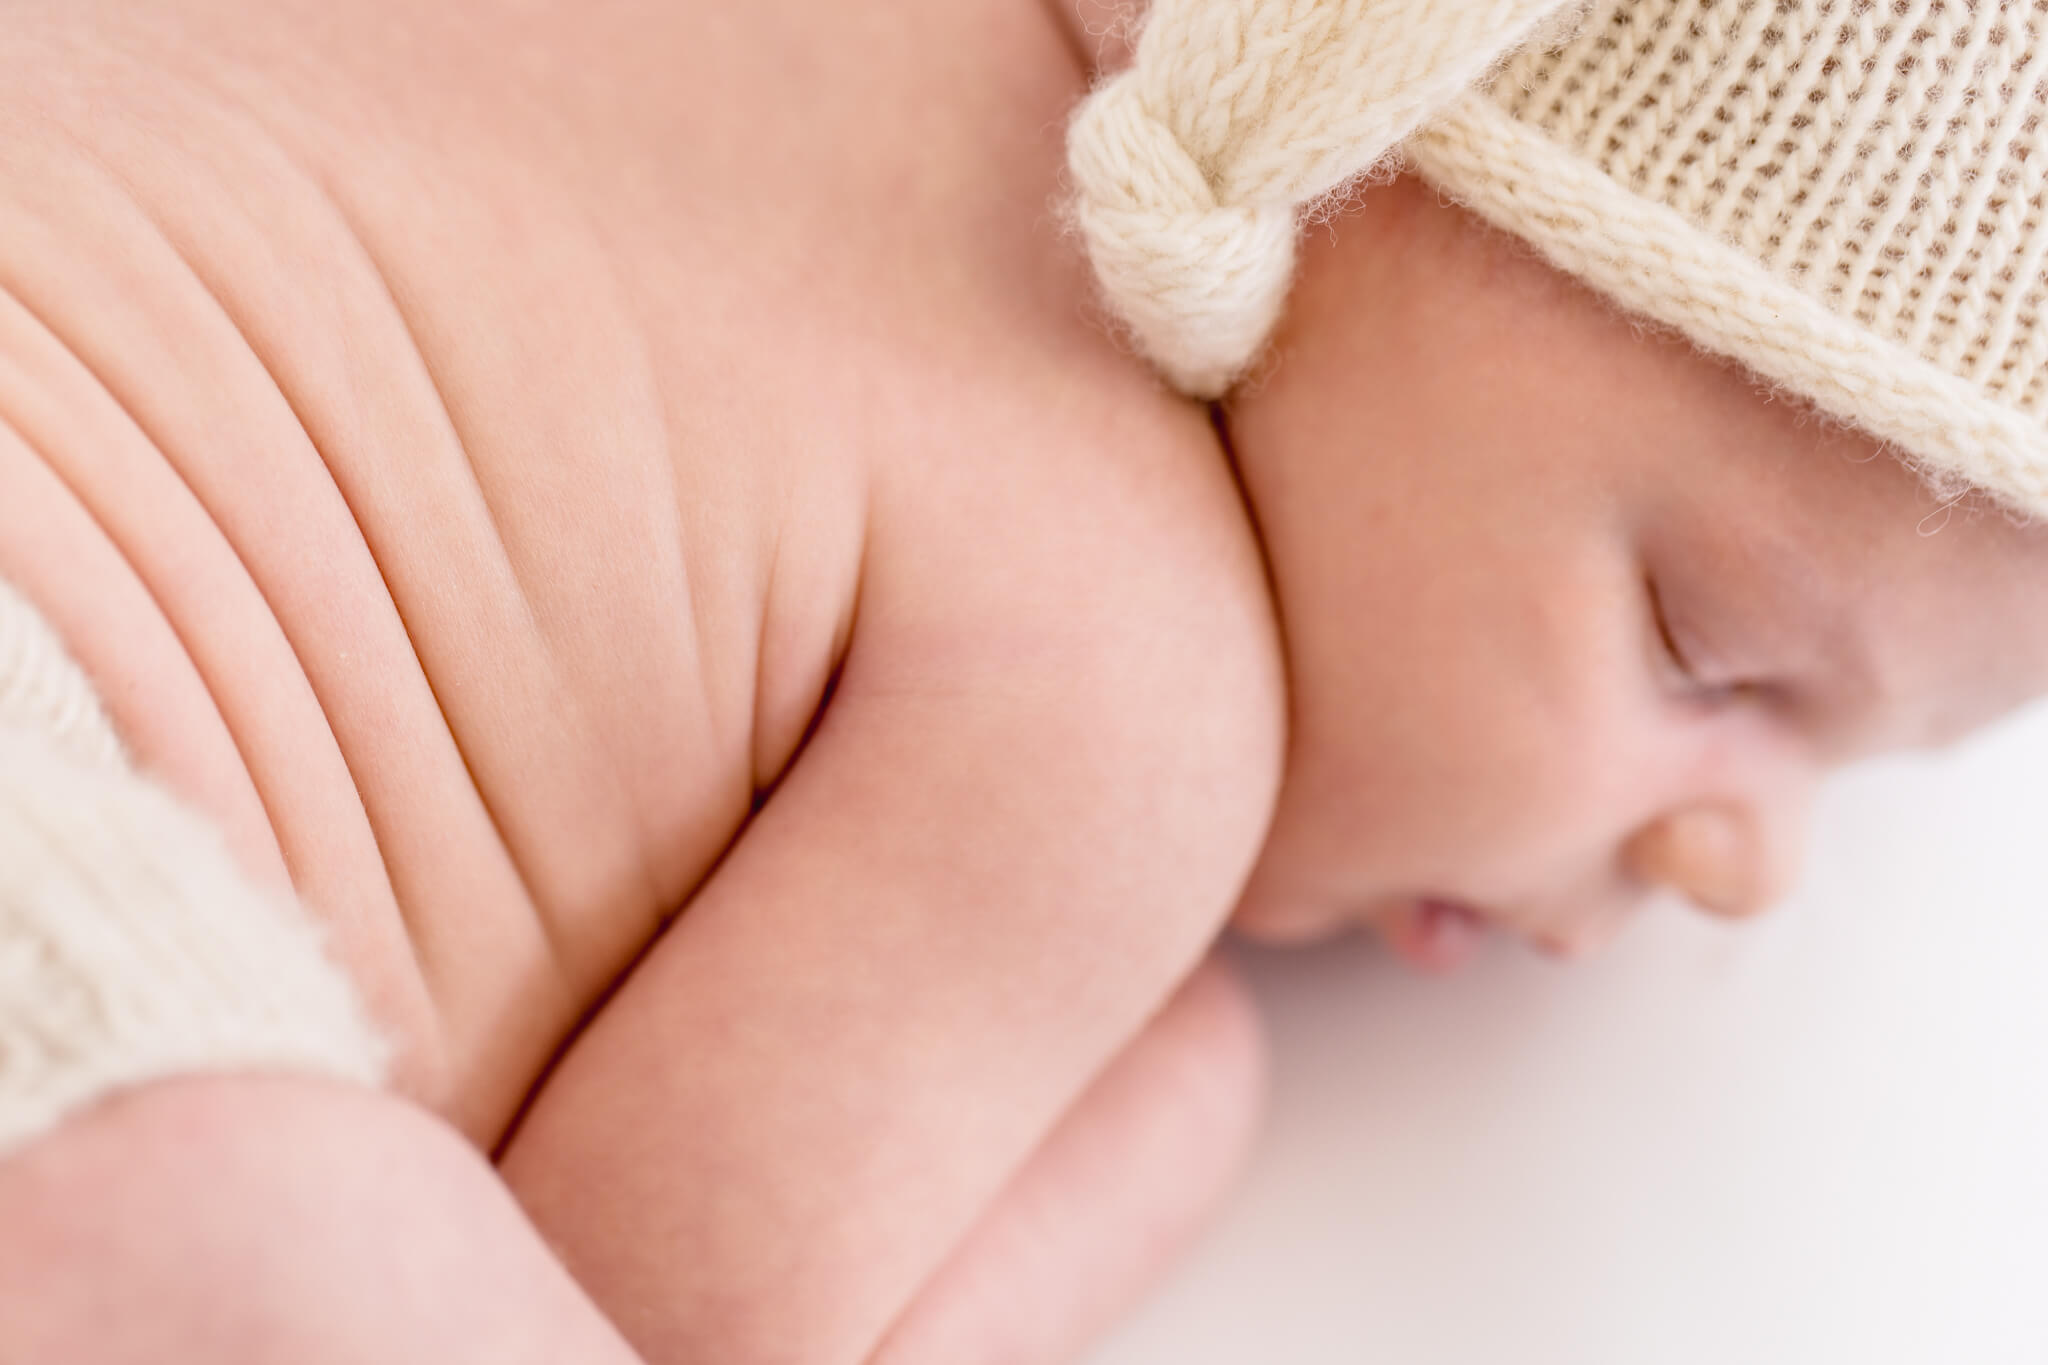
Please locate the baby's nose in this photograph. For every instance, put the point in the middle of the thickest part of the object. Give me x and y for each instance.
(1727, 859)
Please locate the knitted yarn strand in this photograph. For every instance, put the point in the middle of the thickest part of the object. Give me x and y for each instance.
(42, 690)
(1190, 167)
(131, 946)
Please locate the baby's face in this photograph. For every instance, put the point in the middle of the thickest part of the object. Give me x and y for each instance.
(1572, 612)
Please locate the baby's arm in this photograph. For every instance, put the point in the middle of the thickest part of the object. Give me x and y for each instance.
(1021, 821)
(244, 1219)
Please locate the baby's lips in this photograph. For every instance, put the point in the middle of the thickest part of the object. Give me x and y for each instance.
(1434, 936)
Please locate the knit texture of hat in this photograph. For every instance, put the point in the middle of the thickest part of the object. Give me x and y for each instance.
(1845, 196)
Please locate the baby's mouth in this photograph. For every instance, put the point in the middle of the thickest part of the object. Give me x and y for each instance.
(1432, 935)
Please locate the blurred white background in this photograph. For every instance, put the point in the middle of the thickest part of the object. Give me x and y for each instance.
(1819, 1138)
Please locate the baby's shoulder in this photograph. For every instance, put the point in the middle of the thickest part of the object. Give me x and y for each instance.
(1065, 523)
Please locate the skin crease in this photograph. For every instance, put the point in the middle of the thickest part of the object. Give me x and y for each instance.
(1469, 472)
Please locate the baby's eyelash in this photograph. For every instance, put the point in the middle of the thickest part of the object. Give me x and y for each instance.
(1713, 684)
(1672, 649)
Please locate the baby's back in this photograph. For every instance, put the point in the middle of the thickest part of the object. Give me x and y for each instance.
(452, 436)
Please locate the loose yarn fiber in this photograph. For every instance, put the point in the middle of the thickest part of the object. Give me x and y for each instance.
(1850, 197)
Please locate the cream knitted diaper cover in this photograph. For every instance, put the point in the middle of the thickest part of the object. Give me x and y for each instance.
(130, 946)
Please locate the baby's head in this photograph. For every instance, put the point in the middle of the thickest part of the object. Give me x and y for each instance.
(1598, 539)
(1573, 610)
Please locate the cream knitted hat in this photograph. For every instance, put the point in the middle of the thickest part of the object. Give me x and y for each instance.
(1847, 196)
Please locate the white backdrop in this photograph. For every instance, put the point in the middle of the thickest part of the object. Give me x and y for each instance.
(1818, 1138)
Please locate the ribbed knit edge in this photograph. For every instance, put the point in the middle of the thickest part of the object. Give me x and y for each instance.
(132, 949)
(1651, 261)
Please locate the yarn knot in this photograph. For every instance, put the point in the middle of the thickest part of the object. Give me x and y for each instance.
(1200, 283)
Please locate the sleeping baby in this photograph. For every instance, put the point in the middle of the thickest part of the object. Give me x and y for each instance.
(643, 645)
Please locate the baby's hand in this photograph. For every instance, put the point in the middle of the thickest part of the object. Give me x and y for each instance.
(1112, 1194)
